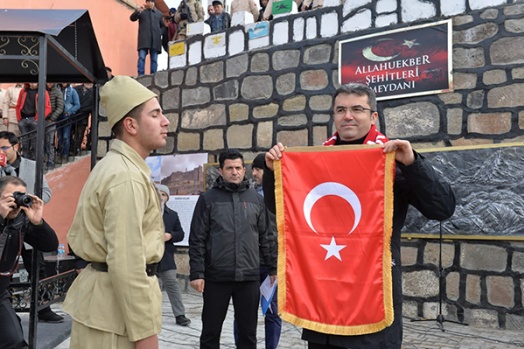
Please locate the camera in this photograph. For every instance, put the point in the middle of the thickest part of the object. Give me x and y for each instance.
(22, 199)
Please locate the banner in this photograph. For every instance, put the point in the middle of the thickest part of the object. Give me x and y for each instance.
(334, 216)
(400, 63)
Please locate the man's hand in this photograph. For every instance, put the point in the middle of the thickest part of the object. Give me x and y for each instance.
(274, 154)
(273, 279)
(167, 236)
(147, 343)
(7, 204)
(198, 285)
(403, 151)
(35, 212)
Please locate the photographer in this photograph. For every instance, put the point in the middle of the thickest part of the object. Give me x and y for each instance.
(20, 221)
(188, 11)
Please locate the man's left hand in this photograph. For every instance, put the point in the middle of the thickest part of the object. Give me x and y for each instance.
(272, 279)
(35, 212)
(403, 151)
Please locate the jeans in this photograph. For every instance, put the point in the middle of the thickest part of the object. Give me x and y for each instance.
(64, 137)
(153, 56)
(50, 142)
(169, 283)
(29, 141)
(11, 333)
(216, 302)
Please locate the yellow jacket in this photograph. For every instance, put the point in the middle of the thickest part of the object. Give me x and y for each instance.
(118, 221)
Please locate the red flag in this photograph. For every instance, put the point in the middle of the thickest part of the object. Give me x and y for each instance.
(334, 213)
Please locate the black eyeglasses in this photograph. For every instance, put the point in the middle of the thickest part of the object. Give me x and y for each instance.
(6, 148)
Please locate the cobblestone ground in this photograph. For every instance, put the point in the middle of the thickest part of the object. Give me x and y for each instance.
(417, 335)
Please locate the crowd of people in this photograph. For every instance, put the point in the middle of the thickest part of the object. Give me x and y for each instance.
(156, 31)
(67, 113)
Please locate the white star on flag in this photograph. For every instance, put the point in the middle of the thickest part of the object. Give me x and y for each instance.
(333, 250)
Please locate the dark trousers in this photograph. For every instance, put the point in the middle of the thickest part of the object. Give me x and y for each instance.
(78, 138)
(27, 255)
(11, 334)
(311, 345)
(216, 302)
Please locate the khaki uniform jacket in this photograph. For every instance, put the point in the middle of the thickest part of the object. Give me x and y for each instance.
(245, 5)
(9, 104)
(197, 15)
(118, 221)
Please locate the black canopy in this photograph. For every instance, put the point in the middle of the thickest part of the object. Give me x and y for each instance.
(68, 38)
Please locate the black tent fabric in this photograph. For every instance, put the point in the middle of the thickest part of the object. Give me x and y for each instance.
(73, 54)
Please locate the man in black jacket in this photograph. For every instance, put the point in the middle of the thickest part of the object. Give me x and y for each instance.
(18, 224)
(416, 183)
(150, 24)
(230, 236)
(167, 267)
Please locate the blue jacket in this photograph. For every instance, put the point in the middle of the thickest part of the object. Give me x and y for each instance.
(71, 101)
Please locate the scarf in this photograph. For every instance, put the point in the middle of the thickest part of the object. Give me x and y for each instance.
(373, 137)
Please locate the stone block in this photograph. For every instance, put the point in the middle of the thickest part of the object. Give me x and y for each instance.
(329, 23)
(475, 99)
(409, 255)
(285, 59)
(451, 98)
(386, 6)
(293, 120)
(501, 291)
(359, 21)
(481, 318)
(168, 148)
(318, 54)
(195, 96)
(194, 53)
(464, 81)
(476, 34)
(473, 289)
(242, 18)
(298, 29)
(197, 28)
(213, 139)
(517, 73)
(240, 136)
(201, 118)
(450, 8)
(161, 78)
(422, 283)
(461, 20)
(260, 63)
(321, 118)
(286, 84)
(517, 262)
(521, 120)
(104, 130)
(320, 102)
(311, 28)
(516, 9)
(314, 80)
(386, 20)
(295, 138)
(430, 310)
(480, 4)
(483, 257)
(238, 112)
(489, 123)
(464, 58)
(455, 120)
(431, 254)
(264, 135)
(177, 77)
(319, 134)
(265, 111)
(412, 119)
(188, 141)
(507, 50)
(410, 309)
(489, 13)
(213, 72)
(226, 91)
(295, 103)
(492, 77)
(506, 96)
(236, 66)
(514, 25)
(453, 286)
(257, 87)
(171, 99)
(191, 76)
(281, 33)
(414, 10)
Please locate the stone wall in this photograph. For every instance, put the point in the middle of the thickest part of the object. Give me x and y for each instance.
(251, 98)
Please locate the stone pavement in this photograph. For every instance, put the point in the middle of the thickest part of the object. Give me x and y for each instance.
(417, 335)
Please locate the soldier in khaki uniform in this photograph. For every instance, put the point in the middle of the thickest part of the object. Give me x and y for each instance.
(116, 301)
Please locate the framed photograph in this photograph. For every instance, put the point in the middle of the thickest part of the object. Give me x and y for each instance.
(400, 63)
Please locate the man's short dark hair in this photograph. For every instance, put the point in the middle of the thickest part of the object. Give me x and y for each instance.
(230, 154)
(217, 2)
(6, 180)
(109, 69)
(10, 136)
(118, 129)
(359, 90)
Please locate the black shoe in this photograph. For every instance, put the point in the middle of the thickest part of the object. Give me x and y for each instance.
(182, 320)
(50, 316)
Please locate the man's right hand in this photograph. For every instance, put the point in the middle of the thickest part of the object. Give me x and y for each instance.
(198, 285)
(147, 343)
(274, 154)
(7, 204)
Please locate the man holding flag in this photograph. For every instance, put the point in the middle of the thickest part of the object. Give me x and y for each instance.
(415, 183)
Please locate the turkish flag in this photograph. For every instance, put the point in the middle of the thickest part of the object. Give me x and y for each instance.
(334, 214)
